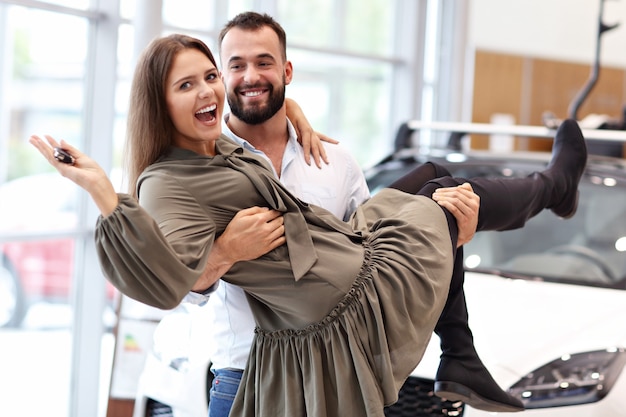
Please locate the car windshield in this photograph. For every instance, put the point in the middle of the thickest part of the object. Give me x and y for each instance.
(588, 249)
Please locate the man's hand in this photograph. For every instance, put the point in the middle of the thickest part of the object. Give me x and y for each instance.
(464, 204)
(253, 232)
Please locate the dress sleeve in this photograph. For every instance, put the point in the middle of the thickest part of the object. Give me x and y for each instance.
(155, 252)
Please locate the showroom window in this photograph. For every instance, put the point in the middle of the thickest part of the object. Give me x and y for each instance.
(65, 70)
(56, 312)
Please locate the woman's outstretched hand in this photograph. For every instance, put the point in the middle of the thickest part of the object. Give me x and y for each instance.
(85, 172)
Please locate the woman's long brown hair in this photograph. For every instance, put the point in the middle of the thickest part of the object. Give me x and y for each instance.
(149, 129)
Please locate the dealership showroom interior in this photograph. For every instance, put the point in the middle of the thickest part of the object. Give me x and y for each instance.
(480, 87)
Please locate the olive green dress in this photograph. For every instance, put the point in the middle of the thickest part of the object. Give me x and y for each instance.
(344, 310)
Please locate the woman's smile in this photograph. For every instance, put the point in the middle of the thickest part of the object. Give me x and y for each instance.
(206, 114)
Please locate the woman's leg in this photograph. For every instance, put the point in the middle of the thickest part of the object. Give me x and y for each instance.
(414, 181)
(505, 204)
(460, 366)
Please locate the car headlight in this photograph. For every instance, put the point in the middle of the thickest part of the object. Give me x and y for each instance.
(580, 378)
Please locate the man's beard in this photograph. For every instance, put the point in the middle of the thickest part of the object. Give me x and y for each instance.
(258, 113)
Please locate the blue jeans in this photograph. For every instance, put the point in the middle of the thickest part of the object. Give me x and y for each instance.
(223, 390)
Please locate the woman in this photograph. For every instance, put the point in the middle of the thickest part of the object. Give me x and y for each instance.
(345, 311)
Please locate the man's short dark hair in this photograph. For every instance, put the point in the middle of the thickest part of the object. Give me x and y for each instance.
(255, 21)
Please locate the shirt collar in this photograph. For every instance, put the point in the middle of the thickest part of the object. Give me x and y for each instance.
(292, 150)
(291, 130)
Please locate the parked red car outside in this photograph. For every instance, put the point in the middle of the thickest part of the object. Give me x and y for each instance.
(36, 260)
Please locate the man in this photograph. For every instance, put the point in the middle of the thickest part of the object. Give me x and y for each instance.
(255, 71)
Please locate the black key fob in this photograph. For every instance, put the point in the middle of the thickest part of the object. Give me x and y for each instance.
(62, 155)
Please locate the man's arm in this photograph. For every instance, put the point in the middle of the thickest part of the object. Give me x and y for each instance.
(255, 231)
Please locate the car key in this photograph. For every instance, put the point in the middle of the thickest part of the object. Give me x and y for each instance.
(62, 155)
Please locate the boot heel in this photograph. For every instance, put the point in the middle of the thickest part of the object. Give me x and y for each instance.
(453, 391)
(567, 209)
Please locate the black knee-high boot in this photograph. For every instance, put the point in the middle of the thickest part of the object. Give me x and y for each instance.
(461, 375)
(505, 204)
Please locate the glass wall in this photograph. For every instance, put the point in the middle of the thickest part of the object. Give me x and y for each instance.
(65, 70)
(46, 78)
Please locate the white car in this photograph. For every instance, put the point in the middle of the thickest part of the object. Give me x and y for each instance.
(547, 306)
(176, 378)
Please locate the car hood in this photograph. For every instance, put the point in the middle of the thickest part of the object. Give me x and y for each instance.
(519, 325)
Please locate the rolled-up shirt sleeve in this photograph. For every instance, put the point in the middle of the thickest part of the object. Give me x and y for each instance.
(155, 252)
